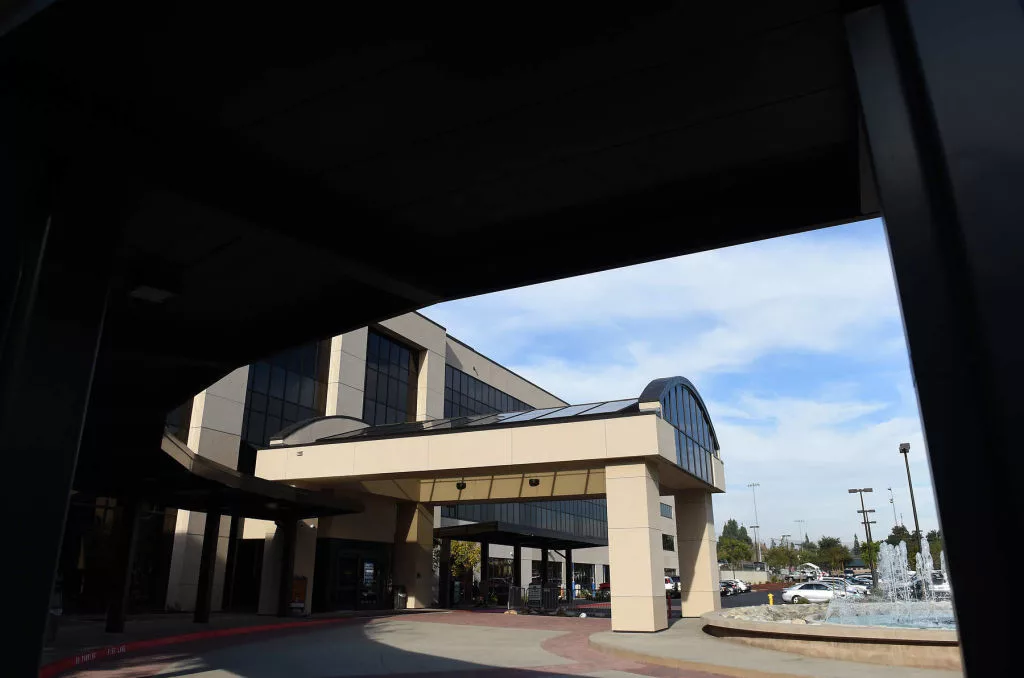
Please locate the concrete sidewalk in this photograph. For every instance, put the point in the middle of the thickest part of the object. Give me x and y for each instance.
(81, 634)
(685, 645)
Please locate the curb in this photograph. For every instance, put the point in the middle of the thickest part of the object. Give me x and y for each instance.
(59, 666)
(735, 671)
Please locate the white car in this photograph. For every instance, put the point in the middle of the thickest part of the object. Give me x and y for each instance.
(811, 592)
(850, 586)
(739, 584)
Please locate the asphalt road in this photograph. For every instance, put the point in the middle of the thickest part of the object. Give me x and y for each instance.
(743, 599)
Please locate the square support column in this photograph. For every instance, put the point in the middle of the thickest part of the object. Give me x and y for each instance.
(128, 537)
(697, 548)
(286, 531)
(570, 580)
(414, 543)
(543, 567)
(207, 563)
(444, 574)
(485, 584)
(517, 565)
(634, 547)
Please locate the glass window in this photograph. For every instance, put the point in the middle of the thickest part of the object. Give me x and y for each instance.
(307, 395)
(277, 379)
(611, 406)
(567, 411)
(668, 542)
(260, 377)
(666, 510)
(257, 402)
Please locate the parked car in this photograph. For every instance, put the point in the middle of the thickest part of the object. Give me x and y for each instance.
(672, 585)
(741, 586)
(940, 586)
(727, 589)
(847, 585)
(811, 592)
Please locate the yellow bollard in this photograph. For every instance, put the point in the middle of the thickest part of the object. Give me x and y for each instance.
(771, 599)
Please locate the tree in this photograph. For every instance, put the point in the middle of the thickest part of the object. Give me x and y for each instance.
(869, 552)
(856, 545)
(901, 533)
(465, 557)
(780, 556)
(734, 530)
(733, 550)
(832, 552)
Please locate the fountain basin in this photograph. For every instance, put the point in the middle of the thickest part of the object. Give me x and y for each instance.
(922, 648)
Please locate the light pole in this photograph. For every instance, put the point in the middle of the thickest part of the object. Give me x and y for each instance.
(757, 541)
(892, 502)
(867, 529)
(905, 451)
(803, 527)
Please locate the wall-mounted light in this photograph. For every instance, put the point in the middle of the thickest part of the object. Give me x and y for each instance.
(534, 482)
(461, 485)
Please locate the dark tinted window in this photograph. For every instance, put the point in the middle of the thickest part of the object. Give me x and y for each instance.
(285, 389)
(392, 371)
(465, 394)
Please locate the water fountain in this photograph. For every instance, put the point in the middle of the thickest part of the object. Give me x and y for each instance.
(903, 622)
(900, 600)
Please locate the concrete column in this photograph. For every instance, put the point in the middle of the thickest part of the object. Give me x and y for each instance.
(634, 547)
(346, 376)
(444, 574)
(128, 532)
(697, 548)
(286, 532)
(570, 588)
(303, 563)
(485, 553)
(414, 543)
(517, 565)
(207, 564)
(54, 268)
(543, 567)
(215, 432)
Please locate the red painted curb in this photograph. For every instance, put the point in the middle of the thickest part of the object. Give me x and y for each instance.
(59, 666)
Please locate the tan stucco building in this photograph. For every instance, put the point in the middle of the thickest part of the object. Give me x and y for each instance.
(430, 437)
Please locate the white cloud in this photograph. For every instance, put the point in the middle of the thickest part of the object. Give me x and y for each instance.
(718, 315)
(708, 312)
(805, 465)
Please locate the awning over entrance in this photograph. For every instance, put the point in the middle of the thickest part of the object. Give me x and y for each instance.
(182, 479)
(496, 532)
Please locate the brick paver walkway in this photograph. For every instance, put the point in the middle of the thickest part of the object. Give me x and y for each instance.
(566, 640)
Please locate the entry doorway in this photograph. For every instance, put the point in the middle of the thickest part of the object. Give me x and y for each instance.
(351, 575)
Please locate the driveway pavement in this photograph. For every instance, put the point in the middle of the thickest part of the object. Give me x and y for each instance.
(462, 644)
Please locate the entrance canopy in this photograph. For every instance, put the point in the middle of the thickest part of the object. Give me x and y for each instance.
(186, 480)
(496, 532)
(559, 452)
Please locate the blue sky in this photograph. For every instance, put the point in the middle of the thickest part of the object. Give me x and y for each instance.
(796, 344)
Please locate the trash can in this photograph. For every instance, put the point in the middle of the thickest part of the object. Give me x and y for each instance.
(401, 598)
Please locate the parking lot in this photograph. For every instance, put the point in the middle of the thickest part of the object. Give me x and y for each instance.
(749, 598)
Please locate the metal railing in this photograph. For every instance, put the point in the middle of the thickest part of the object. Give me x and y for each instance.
(537, 599)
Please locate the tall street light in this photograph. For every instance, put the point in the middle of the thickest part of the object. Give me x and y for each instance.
(803, 527)
(757, 541)
(905, 451)
(867, 529)
(892, 502)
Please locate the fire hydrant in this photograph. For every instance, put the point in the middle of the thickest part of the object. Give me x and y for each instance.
(771, 599)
